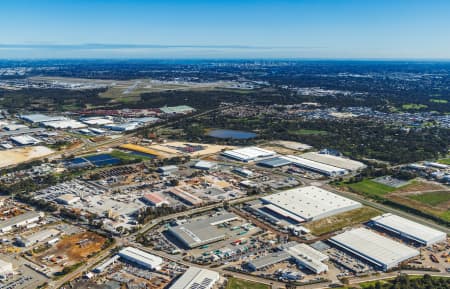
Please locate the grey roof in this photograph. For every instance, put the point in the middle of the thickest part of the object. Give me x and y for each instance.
(274, 162)
(196, 278)
(19, 219)
(270, 259)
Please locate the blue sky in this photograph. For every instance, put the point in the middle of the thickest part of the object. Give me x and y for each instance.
(225, 29)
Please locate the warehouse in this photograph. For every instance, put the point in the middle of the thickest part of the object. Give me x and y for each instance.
(165, 170)
(274, 162)
(409, 230)
(248, 154)
(123, 126)
(196, 278)
(153, 199)
(65, 124)
(20, 221)
(316, 167)
(205, 165)
(24, 140)
(6, 268)
(268, 260)
(186, 197)
(334, 161)
(311, 203)
(39, 118)
(201, 232)
(97, 120)
(380, 251)
(307, 257)
(37, 237)
(141, 258)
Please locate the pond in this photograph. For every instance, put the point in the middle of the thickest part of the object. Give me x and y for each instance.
(229, 133)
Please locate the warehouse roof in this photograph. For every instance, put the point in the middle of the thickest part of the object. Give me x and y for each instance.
(311, 203)
(379, 250)
(274, 162)
(409, 229)
(195, 278)
(20, 218)
(37, 118)
(134, 254)
(65, 124)
(25, 140)
(307, 256)
(315, 166)
(340, 162)
(248, 153)
(269, 260)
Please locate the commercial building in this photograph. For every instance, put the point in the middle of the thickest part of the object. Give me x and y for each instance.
(24, 140)
(64, 124)
(40, 118)
(335, 161)
(20, 221)
(324, 169)
(309, 203)
(380, 251)
(274, 162)
(37, 237)
(201, 232)
(141, 258)
(6, 268)
(123, 126)
(204, 165)
(185, 197)
(97, 120)
(167, 169)
(154, 199)
(248, 154)
(106, 264)
(409, 230)
(307, 257)
(67, 199)
(268, 260)
(196, 278)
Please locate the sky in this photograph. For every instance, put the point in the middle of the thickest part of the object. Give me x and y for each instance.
(304, 29)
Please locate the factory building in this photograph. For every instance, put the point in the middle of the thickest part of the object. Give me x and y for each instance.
(201, 232)
(165, 170)
(196, 278)
(67, 199)
(380, 251)
(409, 230)
(204, 165)
(20, 221)
(324, 169)
(307, 257)
(6, 268)
(309, 203)
(24, 140)
(335, 161)
(248, 154)
(106, 264)
(122, 126)
(154, 199)
(185, 197)
(37, 237)
(40, 118)
(141, 258)
(97, 120)
(64, 124)
(274, 162)
(268, 260)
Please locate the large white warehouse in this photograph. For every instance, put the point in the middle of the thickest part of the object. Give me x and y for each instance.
(195, 278)
(324, 169)
(141, 258)
(248, 154)
(311, 203)
(335, 161)
(382, 252)
(409, 229)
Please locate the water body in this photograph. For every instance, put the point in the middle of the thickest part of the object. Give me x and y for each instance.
(229, 133)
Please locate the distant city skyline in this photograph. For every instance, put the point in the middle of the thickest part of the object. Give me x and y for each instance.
(319, 29)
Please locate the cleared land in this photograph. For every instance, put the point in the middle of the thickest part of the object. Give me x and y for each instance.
(235, 283)
(432, 198)
(340, 221)
(20, 155)
(370, 188)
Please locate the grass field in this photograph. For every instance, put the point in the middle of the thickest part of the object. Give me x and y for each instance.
(432, 198)
(339, 221)
(413, 106)
(128, 156)
(308, 132)
(235, 283)
(370, 188)
(445, 161)
(437, 100)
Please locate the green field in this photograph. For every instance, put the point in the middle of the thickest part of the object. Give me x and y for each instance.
(308, 132)
(437, 100)
(370, 188)
(235, 283)
(445, 161)
(432, 198)
(413, 106)
(128, 156)
(340, 221)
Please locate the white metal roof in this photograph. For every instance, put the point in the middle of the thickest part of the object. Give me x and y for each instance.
(311, 203)
(138, 255)
(373, 247)
(248, 153)
(65, 124)
(196, 278)
(25, 139)
(308, 256)
(408, 228)
(335, 161)
(320, 167)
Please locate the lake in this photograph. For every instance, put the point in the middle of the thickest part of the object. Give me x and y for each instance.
(229, 133)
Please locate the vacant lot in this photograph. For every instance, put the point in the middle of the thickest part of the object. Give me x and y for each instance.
(308, 132)
(432, 198)
(340, 221)
(370, 188)
(235, 283)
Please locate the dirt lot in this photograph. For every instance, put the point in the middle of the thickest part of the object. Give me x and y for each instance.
(20, 155)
